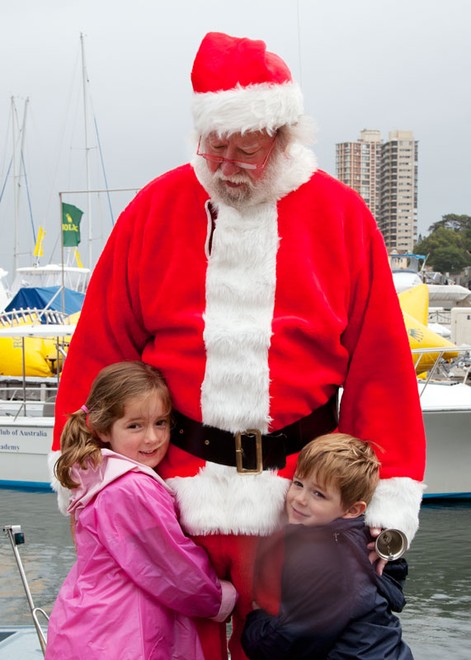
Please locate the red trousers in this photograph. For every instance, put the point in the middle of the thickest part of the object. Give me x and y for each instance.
(233, 558)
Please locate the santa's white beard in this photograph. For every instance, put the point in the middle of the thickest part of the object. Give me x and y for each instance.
(285, 172)
(250, 193)
(232, 196)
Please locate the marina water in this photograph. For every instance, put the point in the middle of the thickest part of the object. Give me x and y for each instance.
(436, 620)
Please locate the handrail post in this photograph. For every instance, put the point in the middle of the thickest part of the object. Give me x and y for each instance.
(16, 537)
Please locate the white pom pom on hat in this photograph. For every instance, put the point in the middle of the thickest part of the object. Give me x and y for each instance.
(239, 86)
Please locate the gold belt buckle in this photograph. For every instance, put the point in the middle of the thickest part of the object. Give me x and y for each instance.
(240, 452)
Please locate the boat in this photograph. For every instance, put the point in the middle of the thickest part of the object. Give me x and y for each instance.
(75, 278)
(36, 355)
(445, 398)
(407, 270)
(447, 296)
(43, 280)
(27, 413)
(4, 292)
(414, 304)
(19, 643)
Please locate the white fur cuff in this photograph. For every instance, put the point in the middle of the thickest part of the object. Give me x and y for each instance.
(63, 494)
(396, 504)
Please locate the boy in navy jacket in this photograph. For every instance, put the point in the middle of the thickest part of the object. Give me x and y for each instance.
(333, 605)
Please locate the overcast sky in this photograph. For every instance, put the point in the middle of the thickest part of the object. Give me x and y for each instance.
(382, 64)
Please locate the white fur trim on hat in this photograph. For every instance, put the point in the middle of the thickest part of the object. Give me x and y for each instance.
(252, 108)
(396, 504)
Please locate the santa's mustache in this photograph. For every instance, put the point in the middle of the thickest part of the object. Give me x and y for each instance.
(234, 178)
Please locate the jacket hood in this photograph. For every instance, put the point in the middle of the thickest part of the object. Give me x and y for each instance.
(94, 479)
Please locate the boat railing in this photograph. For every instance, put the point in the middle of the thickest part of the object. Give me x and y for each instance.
(439, 315)
(34, 397)
(38, 388)
(451, 364)
(16, 537)
(20, 316)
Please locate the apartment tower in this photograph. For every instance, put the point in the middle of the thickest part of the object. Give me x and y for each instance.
(385, 175)
(358, 164)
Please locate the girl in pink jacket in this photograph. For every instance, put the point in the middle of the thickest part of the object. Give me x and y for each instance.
(138, 580)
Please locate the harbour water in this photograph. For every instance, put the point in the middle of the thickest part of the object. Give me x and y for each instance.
(436, 621)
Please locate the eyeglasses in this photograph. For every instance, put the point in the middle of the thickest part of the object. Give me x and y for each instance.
(213, 158)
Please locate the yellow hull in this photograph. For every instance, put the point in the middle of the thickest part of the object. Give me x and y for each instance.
(414, 305)
(40, 354)
(37, 351)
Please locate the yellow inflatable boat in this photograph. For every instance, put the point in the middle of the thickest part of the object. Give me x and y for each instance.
(414, 304)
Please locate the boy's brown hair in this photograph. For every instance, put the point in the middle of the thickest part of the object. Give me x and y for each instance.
(339, 459)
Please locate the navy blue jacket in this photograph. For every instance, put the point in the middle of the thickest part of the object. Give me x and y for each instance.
(333, 605)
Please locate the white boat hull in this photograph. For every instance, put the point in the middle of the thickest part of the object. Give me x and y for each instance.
(448, 471)
(446, 409)
(24, 447)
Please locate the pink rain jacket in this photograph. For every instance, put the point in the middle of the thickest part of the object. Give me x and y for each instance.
(138, 579)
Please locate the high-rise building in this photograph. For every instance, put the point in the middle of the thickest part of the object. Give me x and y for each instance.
(358, 166)
(385, 175)
(397, 218)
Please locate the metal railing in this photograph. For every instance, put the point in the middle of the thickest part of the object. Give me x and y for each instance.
(16, 537)
(31, 315)
(452, 363)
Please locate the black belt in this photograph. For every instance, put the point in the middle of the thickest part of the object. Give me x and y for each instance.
(250, 450)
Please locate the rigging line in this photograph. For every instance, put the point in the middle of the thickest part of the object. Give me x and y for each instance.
(28, 197)
(6, 178)
(63, 143)
(54, 248)
(100, 151)
(5, 149)
(103, 169)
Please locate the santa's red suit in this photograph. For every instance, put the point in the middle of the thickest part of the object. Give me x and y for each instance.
(256, 317)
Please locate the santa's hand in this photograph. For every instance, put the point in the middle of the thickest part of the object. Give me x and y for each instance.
(373, 555)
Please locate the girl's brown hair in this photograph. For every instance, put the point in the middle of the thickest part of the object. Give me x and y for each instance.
(111, 389)
(344, 461)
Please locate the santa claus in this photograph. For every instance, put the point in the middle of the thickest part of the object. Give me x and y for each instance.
(261, 287)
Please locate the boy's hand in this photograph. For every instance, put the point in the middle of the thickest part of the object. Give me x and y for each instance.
(373, 556)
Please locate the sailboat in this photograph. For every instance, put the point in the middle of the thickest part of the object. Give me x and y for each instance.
(48, 293)
(62, 274)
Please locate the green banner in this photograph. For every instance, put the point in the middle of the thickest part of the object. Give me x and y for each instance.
(71, 217)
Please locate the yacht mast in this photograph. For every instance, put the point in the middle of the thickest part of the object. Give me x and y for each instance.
(87, 150)
(17, 172)
(16, 196)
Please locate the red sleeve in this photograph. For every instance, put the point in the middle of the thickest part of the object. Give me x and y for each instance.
(380, 401)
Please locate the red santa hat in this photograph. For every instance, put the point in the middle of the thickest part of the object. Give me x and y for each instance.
(239, 86)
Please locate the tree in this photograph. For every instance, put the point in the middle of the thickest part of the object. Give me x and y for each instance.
(449, 259)
(449, 244)
(453, 221)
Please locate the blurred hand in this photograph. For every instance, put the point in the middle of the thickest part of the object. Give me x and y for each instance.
(372, 555)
